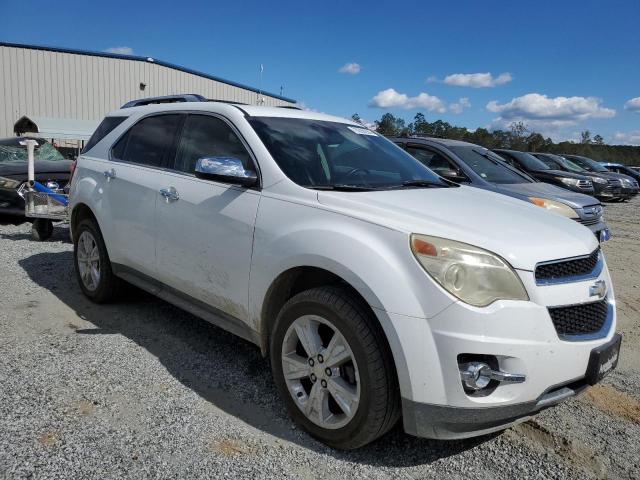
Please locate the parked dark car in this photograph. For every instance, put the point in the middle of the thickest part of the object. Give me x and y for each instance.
(470, 164)
(544, 173)
(630, 186)
(604, 188)
(620, 168)
(51, 169)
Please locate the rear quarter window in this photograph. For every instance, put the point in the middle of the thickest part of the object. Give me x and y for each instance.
(105, 128)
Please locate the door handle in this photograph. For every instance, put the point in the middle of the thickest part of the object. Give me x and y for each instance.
(109, 174)
(171, 194)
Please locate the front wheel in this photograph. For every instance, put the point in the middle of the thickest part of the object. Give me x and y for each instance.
(334, 369)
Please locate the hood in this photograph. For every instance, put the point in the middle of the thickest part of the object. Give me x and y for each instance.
(41, 166)
(562, 173)
(619, 176)
(521, 233)
(551, 192)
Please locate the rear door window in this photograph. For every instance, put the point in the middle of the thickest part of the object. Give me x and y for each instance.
(149, 142)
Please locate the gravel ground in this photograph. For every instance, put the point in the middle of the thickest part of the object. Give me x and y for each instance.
(141, 389)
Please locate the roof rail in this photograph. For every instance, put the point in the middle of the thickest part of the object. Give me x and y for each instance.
(188, 97)
(290, 107)
(232, 102)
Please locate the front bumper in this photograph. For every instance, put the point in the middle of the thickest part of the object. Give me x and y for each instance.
(629, 192)
(522, 338)
(450, 423)
(11, 203)
(607, 192)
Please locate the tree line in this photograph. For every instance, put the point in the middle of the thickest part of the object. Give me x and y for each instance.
(518, 137)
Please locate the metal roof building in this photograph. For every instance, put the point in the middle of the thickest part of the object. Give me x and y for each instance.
(69, 91)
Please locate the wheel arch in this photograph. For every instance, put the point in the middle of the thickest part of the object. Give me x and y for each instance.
(300, 278)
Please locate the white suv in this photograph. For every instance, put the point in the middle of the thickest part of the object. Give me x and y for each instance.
(377, 288)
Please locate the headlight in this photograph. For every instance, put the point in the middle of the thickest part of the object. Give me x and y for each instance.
(473, 275)
(573, 182)
(9, 183)
(598, 180)
(555, 207)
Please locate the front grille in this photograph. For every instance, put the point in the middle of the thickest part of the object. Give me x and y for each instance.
(568, 268)
(614, 182)
(588, 221)
(586, 184)
(579, 319)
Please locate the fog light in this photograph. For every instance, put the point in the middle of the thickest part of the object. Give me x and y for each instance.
(478, 375)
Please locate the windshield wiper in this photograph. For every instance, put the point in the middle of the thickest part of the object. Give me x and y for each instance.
(422, 183)
(340, 188)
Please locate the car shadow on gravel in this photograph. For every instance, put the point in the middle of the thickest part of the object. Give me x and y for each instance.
(60, 234)
(221, 368)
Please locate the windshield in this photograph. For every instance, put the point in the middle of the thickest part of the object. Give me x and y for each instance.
(530, 162)
(316, 154)
(588, 164)
(550, 162)
(568, 164)
(18, 153)
(488, 165)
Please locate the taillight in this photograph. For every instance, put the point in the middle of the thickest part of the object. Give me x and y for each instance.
(72, 170)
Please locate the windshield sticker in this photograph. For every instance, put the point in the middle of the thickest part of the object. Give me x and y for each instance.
(362, 131)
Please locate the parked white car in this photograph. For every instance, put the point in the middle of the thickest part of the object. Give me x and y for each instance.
(378, 289)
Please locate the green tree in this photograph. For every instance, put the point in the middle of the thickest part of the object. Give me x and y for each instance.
(356, 118)
(585, 137)
(598, 140)
(389, 125)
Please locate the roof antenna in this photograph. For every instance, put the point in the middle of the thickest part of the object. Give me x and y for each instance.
(260, 97)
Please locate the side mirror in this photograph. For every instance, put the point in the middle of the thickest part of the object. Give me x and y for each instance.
(225, 169)
(452, 175)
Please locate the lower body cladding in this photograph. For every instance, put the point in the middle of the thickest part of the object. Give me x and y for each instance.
(524, 356)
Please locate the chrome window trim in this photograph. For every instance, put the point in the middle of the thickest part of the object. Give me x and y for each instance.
(595, 273)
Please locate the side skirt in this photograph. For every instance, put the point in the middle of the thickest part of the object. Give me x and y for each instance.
(186, 302)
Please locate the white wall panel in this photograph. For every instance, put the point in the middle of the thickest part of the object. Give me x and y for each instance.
(73, 85)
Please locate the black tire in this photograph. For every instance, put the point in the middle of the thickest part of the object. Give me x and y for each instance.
(109, 285)
(41, 229)
(379, 405)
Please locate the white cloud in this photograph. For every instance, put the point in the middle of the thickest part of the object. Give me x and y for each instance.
(562, 110)
(633, 105)
(389, 98)
(477, 80)
(120, 50)
(350, 68)
(627, 138)
(460, 105)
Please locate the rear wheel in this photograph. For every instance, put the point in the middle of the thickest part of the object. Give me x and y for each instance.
(334, 369)
(41, 229)
(92, 265)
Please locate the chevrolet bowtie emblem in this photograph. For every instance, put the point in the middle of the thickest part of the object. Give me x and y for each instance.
(599, 289)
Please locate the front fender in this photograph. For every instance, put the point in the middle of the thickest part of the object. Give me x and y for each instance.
(374, 260)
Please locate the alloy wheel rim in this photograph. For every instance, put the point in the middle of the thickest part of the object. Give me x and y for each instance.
(321, 372)
(88, 261)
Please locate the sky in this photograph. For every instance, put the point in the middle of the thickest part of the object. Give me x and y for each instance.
(561, 67)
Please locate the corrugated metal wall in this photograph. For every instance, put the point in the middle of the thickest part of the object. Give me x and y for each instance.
(68, 85)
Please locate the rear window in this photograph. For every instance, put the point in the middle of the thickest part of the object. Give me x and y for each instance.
(105, 128)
